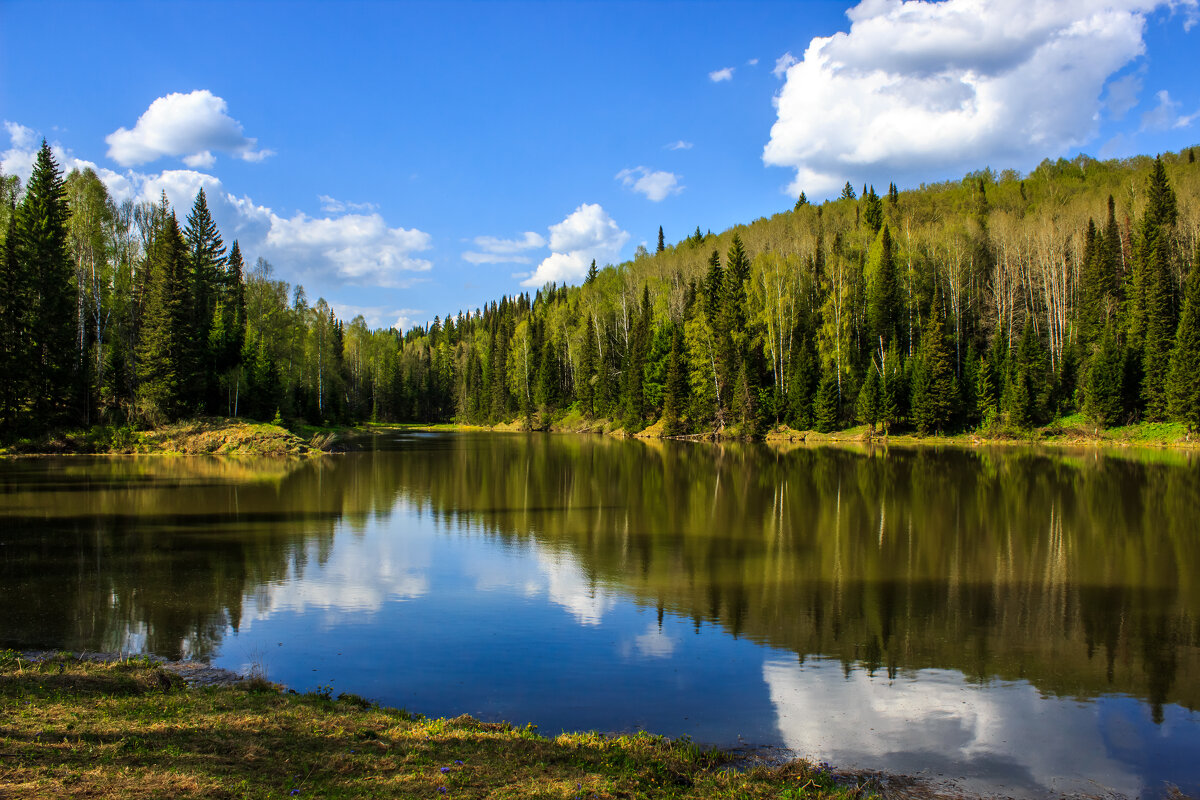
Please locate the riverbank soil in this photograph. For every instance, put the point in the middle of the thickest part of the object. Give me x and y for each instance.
(202, 436)
(131, 729)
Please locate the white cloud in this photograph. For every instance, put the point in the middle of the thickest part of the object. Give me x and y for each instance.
(587, 233)
(680, 145)
(504, 251)
(718, 75)
(358, 248)
(191, 126)
(380, 316)
(1166, 115)
(331, 205)
(1008, 738)
(355, 248)
(917, 85)
(782, 63)
(1122, 95)
(752, 62)
(655, 185)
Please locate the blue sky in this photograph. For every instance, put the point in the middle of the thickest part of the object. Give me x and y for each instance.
(405, 160)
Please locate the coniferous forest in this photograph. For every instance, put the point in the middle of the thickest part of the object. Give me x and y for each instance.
(998, 302)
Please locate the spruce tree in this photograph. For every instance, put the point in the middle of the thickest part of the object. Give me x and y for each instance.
(1183, 386)
(661, 244)
(872, 215)
(826, 410)
(14, 323)
(165, 330)
(1102, 401)
(883, 308)
(675, 392)
(848, 192)
(934, 392)
(206, 280)
(986, 402)
(591, 274)
(869, 398)
(42, 255)
(1155, 324)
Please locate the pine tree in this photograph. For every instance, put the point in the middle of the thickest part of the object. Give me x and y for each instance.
(801, 202)
(1157, 290)
(872, 215)
(42, 254)
(1102, 401)
(934, 391)
(206, 279)
(826, 410)
(986, 402)
(848, 192)
(591, 274)
(676, 391)
(883, 308)
(14, 323)
(165, 329)
(1183, 385)
(868, 404)
(661, 244)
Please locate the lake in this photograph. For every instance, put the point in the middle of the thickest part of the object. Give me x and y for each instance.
(1017, 621)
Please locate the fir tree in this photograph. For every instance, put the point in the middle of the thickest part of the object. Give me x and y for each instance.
(882, 292)
(661, 244)
(14, 322)
(848, 192)
(869, 398)
(675, 391)
(206, 278)
(1157, 291)
(42, 254)
(1102, 402)
(165, 329)
(826, 411)
(872, 215)
(934, 392)
(1183, 385)
(986, 401)
(801, 202)
(591, 274)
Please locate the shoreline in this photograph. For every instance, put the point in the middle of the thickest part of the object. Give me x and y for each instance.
(238, 437)
(100, 718)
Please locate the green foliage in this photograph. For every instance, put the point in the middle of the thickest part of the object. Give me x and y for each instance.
(1183, 385)
(934, 389)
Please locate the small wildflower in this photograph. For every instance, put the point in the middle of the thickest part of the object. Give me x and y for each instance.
(458, 763)
(441, 790)
(445, 770)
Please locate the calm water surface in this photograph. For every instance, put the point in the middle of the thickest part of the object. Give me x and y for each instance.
(1020, 622)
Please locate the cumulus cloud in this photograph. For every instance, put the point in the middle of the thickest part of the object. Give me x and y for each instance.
(656, 185)
(21, 154)
(504, 251)
(752, 62)
(680, 145)
(358, 248)
(718, 75)
(917, 85)
(587, 233)
(190, 126)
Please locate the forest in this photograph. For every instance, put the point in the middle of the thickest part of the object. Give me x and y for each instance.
(996, 303)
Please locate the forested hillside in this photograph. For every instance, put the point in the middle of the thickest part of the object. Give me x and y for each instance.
(998, 301)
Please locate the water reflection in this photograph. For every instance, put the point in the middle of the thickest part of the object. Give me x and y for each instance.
(897, 610)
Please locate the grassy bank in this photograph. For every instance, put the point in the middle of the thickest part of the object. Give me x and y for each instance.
(131, 730)
(202, 436)
(1072, 431)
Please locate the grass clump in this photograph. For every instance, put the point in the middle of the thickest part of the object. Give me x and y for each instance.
(128, 730)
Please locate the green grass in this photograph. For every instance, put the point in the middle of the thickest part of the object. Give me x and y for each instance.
(130, 730)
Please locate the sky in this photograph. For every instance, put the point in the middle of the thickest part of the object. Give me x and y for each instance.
(410, 160)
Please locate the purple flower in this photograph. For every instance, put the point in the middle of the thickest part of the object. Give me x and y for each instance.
(458, 763)
(441, 790)
(445, 770)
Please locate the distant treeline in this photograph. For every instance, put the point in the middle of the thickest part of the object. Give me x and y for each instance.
(996, 302)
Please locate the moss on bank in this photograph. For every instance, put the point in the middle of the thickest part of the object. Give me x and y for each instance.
(129, 729)
(202, 436)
